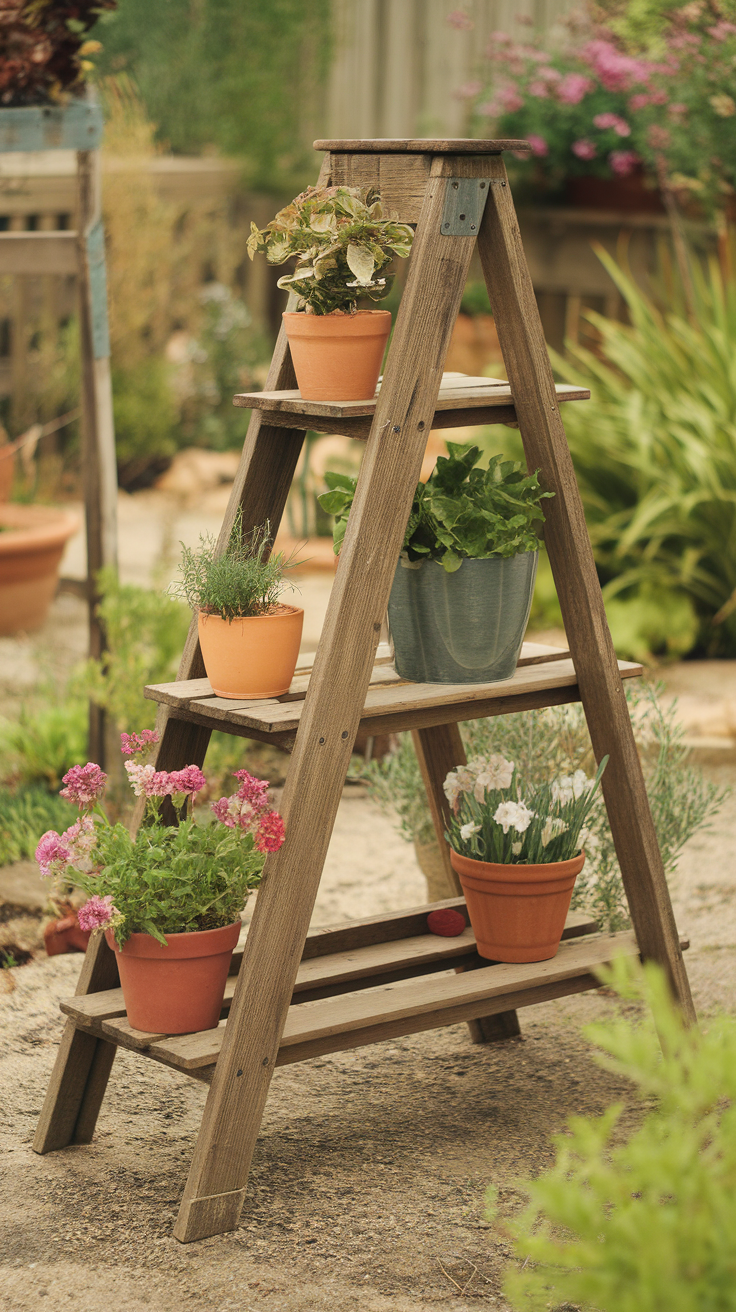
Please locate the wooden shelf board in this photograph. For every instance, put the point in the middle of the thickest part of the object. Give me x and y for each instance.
(542, 672)
(419, 145)
(457, 392)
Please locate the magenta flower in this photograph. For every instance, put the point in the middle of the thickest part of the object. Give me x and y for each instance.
(509, 98)
(97, 913)
(538, 144)
(270, 834)
(133, 743)
(222, 810)
(616, 71)
(84, 784)
(584, 149)
(619, 125)
(623, 162)
(52, 853)
(540, 90)
(251, 789)
(190, 780)
(572, 88)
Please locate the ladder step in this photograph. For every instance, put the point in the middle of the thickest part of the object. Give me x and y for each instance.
(355, 955)
(392, 704)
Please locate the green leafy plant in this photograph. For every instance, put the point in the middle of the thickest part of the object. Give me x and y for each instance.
(497, 815)
(461, 512)
(341, 242)
(642, 1221)
(166, 879)
(25, 813)
(655, 455)
(49, 736)
(556, 741)
(242, 581)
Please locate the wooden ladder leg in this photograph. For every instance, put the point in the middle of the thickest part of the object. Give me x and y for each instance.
(525, 356)
(440, 749)
(83, 1063)
(215, 1190)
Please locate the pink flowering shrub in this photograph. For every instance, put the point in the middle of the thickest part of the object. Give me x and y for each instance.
(673, 103)
(166, 879)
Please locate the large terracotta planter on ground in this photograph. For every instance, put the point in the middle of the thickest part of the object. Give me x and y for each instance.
(32, 541)
(248, 659)
(337, 357)
(177, 989)
(517, 912)
(629, 195)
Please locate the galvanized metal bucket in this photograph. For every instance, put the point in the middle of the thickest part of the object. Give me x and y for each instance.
(465, 627)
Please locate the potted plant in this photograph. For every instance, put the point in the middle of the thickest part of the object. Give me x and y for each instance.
(32, 542)
(342, 243)
(249, 639)
(517, 851)
(462, 591)
(169, 899)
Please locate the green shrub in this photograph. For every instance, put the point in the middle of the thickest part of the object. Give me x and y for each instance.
(645, 1222)
(25, 814)
(655, 456)
(49, 736)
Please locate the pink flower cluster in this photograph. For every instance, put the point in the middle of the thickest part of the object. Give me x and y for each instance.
(84, 784)
(619, 125)
(623, 162)
(133, 743)
(97, 913)
(248, 810)
(52, 854)
(146, 781)
(615, 70)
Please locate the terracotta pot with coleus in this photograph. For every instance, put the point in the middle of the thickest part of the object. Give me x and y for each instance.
(517, 850)
(168, 899)
(463, 587)
(342, 242)
(249, 638)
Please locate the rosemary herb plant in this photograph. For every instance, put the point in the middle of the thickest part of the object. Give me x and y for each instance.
(245, 580)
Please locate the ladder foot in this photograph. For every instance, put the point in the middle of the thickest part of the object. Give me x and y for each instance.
(200, 1218)
(494, 1029)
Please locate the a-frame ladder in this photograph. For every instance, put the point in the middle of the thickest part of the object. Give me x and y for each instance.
(297, 994)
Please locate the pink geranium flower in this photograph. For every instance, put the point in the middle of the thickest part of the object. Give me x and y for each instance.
(97, 913)
(584, 149)
(538, 144)
(52, 853)
(133, 743)
(572, 88)
(619, 125)
(251, 789)
(84, 784)
(270, 834)
(623, 162)
(190, 780)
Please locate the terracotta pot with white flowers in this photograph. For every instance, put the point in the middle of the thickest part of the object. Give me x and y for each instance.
(517, 851)
(342, 241)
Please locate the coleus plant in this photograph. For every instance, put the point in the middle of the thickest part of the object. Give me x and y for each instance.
(342, 242)
(166, 879)
(462, 512)
(45, 48)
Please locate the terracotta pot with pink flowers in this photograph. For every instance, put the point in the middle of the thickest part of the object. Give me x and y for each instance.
(169, 899)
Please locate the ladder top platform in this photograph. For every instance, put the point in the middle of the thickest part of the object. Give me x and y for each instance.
(457, 392)
(421, 146)
(545, 676)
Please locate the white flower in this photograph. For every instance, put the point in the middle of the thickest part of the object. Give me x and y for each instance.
(513, 815)
(553, 827)
(497, 772)
(516, 847)
(588, 841)
(467, 831)
(457, 782)
(569, 786)
(139, 775)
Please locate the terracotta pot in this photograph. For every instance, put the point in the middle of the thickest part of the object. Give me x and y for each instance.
(177, 989)
(517, 912)
(32, 541)
(251, 658)
(6, 470)
(65, 934)
(629, 195)
(337, 357)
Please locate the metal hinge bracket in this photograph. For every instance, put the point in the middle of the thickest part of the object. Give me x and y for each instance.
(465, 201)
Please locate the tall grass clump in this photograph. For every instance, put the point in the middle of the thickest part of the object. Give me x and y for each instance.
(655, 456)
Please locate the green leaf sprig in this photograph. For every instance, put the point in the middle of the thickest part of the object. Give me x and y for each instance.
(341, 241)
(461, 512)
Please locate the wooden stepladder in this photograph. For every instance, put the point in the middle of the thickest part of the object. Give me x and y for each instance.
(294, 993)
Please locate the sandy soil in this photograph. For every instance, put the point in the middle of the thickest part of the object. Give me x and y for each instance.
(367, 1189)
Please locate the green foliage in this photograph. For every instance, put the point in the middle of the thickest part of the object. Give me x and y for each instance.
(475, 299)
(144, 410)
(499, 815)
(461, 512)
(655, 455)
(556, 741)
(238, 74)
(221, 360)
(341, 242)
(173, 879)
(146, 633)
(49, 736)
(25, 814)
(242, 581)
(642, 1222)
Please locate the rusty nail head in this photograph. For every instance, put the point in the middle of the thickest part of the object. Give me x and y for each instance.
(265, 1061)
(396, 428)
(344, 733)
(321, 741)
(239, 1072)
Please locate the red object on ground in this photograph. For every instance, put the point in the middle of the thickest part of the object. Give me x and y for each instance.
(65, 935)
(446, 922)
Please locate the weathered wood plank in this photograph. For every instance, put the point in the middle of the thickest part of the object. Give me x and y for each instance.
(38, 253)
(457, 399)
(426, 145)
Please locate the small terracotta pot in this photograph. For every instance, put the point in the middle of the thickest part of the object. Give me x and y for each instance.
(32, 543)
(177, 989)
(517, 912)
(65, 934)
(251, 658)
(337, 357)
